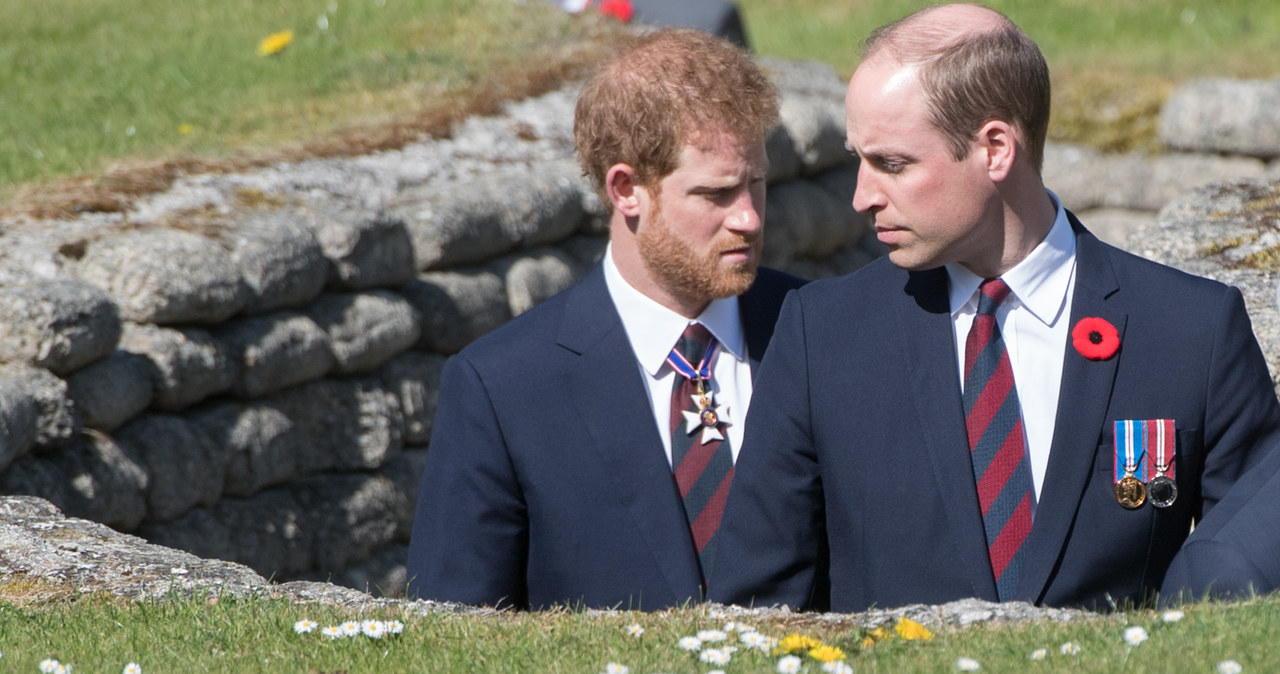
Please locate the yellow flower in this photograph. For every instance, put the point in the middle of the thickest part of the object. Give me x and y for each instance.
(796, 643)
(877, 634)
(275, 43)
(185, 129)
(826, 653)
(910, 630)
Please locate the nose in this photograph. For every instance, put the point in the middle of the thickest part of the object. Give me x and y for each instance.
(867, 194)
(747, 217)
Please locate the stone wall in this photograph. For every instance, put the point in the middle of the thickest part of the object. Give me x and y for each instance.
(245, 366)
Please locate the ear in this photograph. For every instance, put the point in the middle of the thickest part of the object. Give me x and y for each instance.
(623, 189)
(998, 141)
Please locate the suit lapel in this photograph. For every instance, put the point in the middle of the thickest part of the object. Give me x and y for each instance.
(1084, 397)
(939, 408)
(606, 390)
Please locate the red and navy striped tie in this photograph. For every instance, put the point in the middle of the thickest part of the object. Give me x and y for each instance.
(703, 471)
(996, 444)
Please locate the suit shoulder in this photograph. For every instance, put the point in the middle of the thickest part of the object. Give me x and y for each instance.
(1135, 271)
(521, 334)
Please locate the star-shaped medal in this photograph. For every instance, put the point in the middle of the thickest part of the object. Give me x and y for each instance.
(708, 417)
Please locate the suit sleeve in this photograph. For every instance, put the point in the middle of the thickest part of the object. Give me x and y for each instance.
(1242, 416)
(772, 538)
(470, 529)
(1235, 547)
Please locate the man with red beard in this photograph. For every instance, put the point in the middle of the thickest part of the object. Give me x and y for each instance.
(581, 454)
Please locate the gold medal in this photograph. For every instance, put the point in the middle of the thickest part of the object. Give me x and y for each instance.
(1130, 492)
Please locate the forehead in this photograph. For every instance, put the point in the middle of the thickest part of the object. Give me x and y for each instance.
(719, 151)
(885, 101)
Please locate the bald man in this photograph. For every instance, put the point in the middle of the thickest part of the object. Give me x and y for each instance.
(1004, 407)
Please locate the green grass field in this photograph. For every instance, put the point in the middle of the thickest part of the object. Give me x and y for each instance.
(107, 90)
(257, 635)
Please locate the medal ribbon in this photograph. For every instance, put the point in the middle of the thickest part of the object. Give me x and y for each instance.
(1131, 442)
(702, 372)
(1164, 450)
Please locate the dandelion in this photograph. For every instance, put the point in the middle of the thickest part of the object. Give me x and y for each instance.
(826, 653)
(304, 626)
(716, 656)
(712, 636)
(911, 630)
(877, 634)
(635, 630)
(275, 43)
(132, 668)
(796, 643)
(615, 668)
(395, 627)
(1039, 654)
(967, 665)
(185, 129)
(690, 643)
(1172, 616)
(49, 665)
(1229, 667)
(1135, 635)
(1069, 648)
(350, 628)
(333, 632)
(374, 629)
(837, 667)
(789, 664)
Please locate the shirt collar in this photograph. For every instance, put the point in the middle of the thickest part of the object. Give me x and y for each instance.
(654, 329)
(1040, 282)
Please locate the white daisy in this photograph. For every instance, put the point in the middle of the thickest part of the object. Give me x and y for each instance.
(690, 643)
(789, 664)
(1069, 648)
(1039, 654)
(304, 626)
(967, 665)
(1172, 616)
(1229, 667)
(635, 630)
(1135, 635)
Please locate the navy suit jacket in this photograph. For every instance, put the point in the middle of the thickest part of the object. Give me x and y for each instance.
(855, 488)
(1235, 551)
(545, 481)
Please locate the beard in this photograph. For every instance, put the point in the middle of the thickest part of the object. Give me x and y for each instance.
(685, 272)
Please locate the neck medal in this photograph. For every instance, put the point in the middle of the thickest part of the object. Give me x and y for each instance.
(1130, 470)
(707, 415)
(1162, 490)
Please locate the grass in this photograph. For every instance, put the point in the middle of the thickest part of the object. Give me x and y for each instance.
(209, 634)
(113, 98)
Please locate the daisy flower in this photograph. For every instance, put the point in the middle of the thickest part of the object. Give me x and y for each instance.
(132, 668)
(635, 630)
(967, 665)
(332, 631)
(837, 667)
(350, 628)
(789, 664)
(304, 626)
(615, 668)
(715, 656)
(395, 627)
(374, 629)
(712, 636)
(1039, 654)
(49, 665)
(1135, 635)
(1069, 648)
(1229, 667)
(1172, 616)
(690, 643)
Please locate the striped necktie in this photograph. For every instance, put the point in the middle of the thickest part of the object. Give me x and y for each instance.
(702, 463)
(997, 447)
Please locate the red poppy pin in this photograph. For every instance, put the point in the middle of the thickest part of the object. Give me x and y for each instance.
(1095, 338)
(621, 10)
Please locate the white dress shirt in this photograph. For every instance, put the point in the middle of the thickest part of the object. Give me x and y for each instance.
(1034, 323)
(653, 331)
